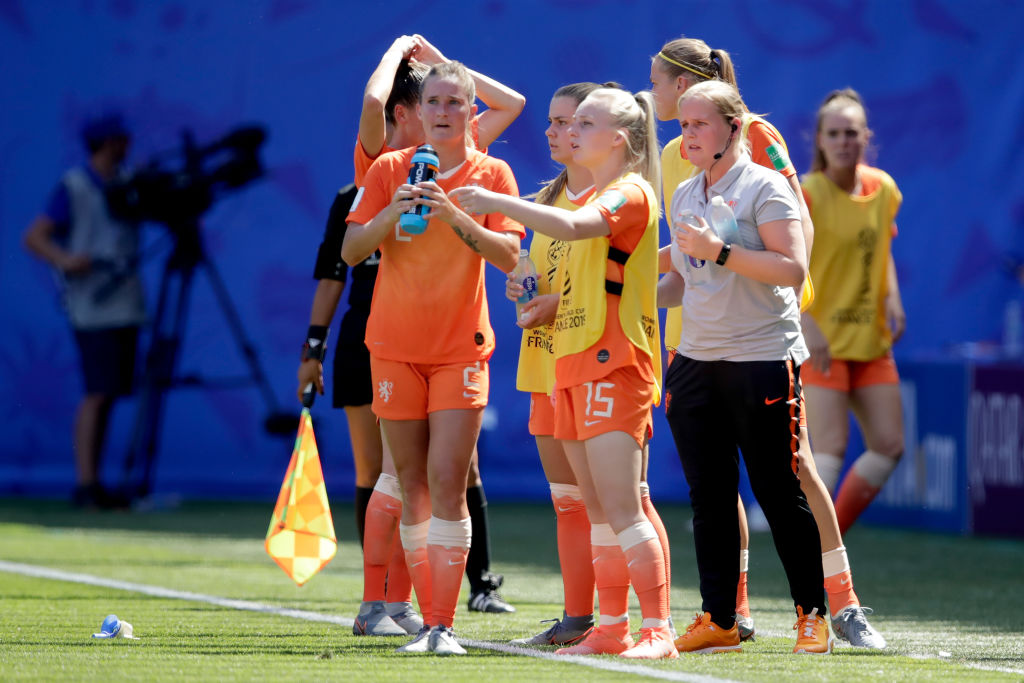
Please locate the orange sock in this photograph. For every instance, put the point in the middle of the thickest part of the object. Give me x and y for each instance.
(862, 483)
(610, 574)
(382, 516)
(574, 555)
(838, 580)
(447, 548)
(414, 541)
(655, 519)
(742, 601)
(399, 582)
(646, 565)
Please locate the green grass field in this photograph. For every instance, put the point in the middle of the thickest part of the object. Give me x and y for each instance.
(951, 608)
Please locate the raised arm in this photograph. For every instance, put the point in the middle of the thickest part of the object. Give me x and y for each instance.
(503, 103)
(560, 224)
(372, 123)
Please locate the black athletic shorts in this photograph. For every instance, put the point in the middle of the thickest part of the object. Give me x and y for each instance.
(352, 383)
(108, 359)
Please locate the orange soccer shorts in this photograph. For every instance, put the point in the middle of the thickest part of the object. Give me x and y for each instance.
(410, 391)
(618, 402)
(542, 415)
(845, 375)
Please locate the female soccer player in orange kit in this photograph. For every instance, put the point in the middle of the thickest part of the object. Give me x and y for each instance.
(607, 358)
(430, 338)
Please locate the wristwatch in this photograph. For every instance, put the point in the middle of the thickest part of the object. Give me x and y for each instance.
(723, 255)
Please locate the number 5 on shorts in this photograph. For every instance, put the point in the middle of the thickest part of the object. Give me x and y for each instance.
(594, 396)
(472, 388)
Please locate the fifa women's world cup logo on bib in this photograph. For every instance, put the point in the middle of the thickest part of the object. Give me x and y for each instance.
(384, 389)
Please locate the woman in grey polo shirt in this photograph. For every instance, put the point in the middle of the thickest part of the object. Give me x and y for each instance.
(734, 383)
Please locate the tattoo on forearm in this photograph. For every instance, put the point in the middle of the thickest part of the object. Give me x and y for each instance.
(467, 238)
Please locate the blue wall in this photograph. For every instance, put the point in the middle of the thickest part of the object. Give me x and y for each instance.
(944, 101)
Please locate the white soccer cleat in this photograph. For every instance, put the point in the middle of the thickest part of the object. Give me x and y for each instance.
(419, 644)
(442, 641)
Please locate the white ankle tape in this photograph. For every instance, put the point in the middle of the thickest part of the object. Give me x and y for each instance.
(874, 468)
(641, 532)
(829, 466)
(566, 491)
(645, 490)
(744, 560)
(450, 534)
(835, 561)
(388, 484)
(602, 534)
(414, 536)
(611, 619)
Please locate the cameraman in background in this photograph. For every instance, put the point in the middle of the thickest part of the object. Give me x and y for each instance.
(95, 257)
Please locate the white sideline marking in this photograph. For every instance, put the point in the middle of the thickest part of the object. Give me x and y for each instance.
(246, 605)
(157, 591)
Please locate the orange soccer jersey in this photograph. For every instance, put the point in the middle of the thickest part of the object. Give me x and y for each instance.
(429, 304)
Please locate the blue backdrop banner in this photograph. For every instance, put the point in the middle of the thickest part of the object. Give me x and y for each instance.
(943, 82)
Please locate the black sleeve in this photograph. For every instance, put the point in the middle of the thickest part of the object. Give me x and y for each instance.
(329, 265)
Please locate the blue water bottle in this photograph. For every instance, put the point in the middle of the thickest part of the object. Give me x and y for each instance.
(423, 169)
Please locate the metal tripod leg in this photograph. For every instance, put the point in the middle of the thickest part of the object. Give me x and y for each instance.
(161, 362)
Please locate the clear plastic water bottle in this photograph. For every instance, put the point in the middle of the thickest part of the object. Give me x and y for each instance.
(525, 273)
(697, 268)
(1013, 329)
(422, 169)
(723, 221)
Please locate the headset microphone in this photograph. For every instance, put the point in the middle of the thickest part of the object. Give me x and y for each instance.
(719, 154)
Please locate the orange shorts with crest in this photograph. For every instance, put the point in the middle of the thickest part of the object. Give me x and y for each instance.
(845, 375)
(542, 415)
(618, 402)
(410, 391)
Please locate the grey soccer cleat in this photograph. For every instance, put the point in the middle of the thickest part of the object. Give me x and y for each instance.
(745, 625)
(373, 620)
(404, 614)
(442, 641)
(564, 631)
(852, 625)
(419, 644)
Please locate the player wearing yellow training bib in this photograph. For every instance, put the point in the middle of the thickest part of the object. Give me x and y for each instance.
(858, 314)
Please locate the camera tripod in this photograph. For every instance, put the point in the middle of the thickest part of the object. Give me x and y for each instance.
(186, 259)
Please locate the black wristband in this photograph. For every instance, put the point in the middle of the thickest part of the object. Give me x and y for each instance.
(723, 255)
(315, 347)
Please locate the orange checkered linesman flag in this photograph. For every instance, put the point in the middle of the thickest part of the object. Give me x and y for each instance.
(301, 535)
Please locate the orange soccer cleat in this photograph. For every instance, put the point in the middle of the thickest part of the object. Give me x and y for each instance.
(704, 636)
(812, 635)
(604, 640)
(654, 643)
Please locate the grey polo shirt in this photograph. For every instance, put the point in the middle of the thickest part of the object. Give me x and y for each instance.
(727, 316)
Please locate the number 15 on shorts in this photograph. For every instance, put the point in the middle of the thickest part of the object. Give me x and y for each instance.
(599, 405)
